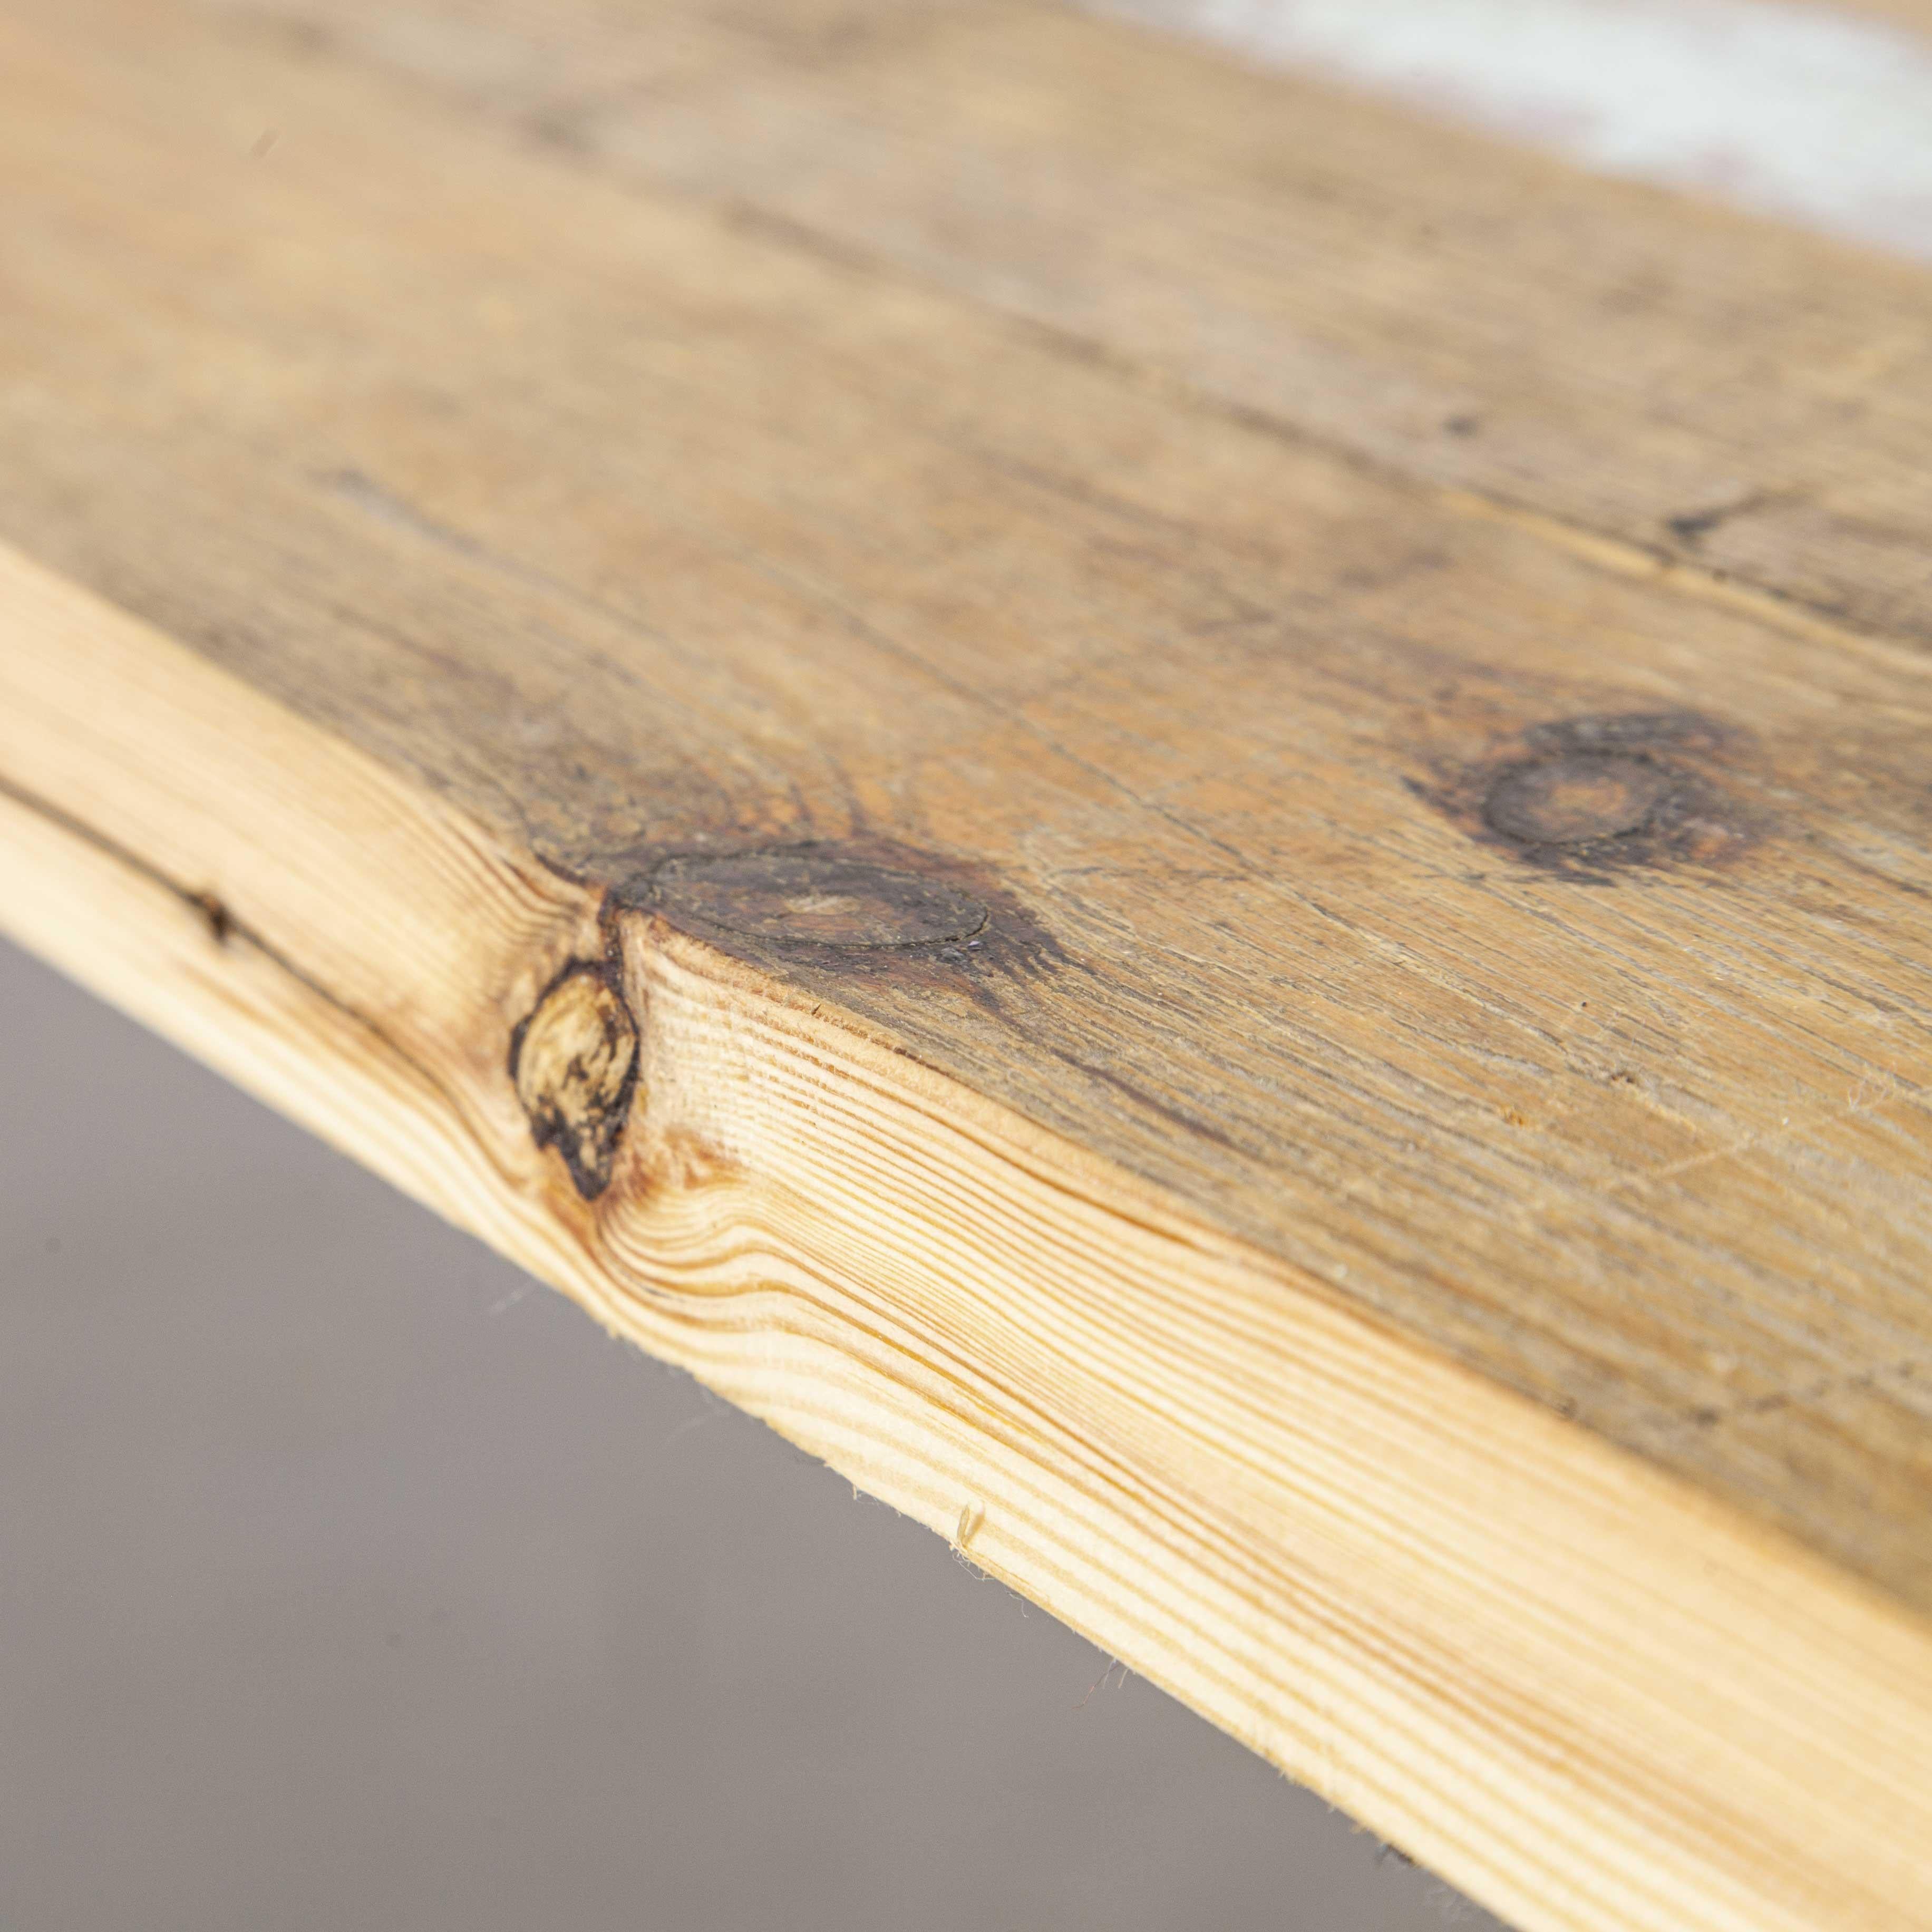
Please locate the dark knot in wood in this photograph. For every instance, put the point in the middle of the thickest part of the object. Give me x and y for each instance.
(1575, 800)
(806, 898)
(575, 1062)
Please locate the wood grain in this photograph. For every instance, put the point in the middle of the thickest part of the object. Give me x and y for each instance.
(1609, 358)
(1338, 1064)
(1588, 1693)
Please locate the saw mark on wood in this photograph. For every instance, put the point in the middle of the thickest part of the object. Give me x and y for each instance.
(1786, 1133)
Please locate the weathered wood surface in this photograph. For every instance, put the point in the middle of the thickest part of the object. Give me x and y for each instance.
(1601, 356)
(1306, 1025)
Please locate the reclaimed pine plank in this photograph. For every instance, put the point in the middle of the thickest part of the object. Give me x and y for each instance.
(1325, 1070)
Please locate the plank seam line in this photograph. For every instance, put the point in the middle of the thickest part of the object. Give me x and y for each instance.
(1785, 611)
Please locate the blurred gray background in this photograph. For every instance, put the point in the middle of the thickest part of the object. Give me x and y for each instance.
(348, 1579)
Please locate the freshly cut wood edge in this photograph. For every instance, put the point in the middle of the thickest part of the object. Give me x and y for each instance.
(1573, 1686)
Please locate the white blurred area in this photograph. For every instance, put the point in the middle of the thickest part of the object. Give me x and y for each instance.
(1815, 114)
